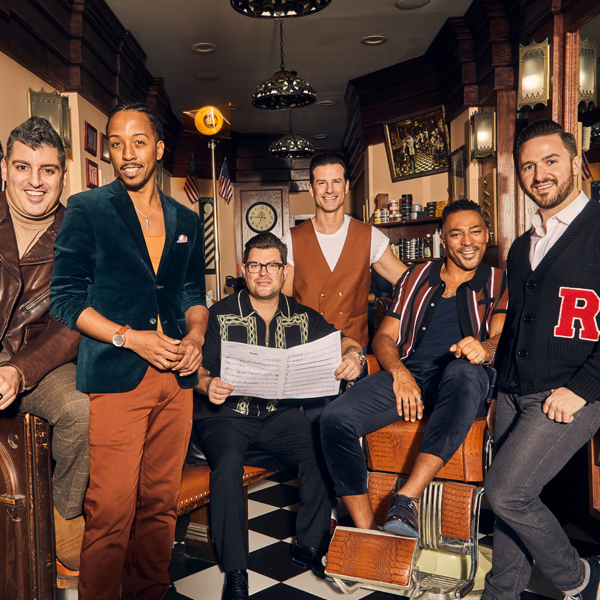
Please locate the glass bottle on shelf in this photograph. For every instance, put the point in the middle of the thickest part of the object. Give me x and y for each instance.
(428, 246)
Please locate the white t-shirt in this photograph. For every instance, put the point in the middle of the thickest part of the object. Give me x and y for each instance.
(333, 244)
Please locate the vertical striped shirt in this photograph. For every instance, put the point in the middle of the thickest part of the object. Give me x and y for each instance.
(420, 289)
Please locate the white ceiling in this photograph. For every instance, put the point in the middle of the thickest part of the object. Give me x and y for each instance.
(323, 48)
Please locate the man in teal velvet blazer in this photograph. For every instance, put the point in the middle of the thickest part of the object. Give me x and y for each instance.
(129, 275)
(102, 262)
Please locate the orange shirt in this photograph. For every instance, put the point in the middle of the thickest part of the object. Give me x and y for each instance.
(155, 245)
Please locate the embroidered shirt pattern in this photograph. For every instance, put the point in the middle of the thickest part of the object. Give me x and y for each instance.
(295, 320)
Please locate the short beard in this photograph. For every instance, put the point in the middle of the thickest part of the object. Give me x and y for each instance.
(138, 186)
(561, 194)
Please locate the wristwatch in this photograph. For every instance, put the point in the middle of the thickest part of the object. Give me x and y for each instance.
(119, 338)
(361, 356)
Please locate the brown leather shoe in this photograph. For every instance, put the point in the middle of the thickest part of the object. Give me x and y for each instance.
(69, 535)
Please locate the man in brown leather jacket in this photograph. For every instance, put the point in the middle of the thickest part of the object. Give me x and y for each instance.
(37, 374)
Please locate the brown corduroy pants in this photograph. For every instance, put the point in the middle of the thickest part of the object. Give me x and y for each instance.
(138, 443)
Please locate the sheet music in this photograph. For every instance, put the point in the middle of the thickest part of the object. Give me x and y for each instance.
(305, 371)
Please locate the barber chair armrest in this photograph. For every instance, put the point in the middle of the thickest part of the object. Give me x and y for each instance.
(372, 364)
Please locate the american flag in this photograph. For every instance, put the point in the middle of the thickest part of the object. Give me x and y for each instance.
(586, 173)
(225, 187)
(191, 184)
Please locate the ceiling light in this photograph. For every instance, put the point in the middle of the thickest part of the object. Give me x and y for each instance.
(321, 136)
(204, 48)
(273, 9)
(410, 4)
(326, 103)
(373, 40)
(291, 146)
(284, 89)
(207, 76)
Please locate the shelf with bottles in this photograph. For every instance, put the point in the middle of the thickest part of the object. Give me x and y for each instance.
(428, 247)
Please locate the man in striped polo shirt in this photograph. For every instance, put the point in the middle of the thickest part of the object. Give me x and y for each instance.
(442, 329)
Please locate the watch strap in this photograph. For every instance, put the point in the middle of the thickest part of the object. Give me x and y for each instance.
(123, 330)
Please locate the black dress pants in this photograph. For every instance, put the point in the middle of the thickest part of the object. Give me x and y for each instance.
(286, 434)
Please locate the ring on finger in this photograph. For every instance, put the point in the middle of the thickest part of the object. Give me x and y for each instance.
(419, 399)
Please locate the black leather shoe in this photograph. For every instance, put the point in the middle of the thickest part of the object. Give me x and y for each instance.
(310, 558)
(402, 518)
(236, 585)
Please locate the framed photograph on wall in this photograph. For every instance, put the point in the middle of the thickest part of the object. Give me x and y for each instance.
(458, 161)
(91, 139)
(91, 173)
(417, 144)
(104, 154)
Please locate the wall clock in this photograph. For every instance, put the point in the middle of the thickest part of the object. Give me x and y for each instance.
(260, 207)
(261, 217)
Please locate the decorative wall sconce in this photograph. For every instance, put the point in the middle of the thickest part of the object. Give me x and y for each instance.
(534, 74)
(483, 134)
(273, 9)
(587, 72)
(55, 108)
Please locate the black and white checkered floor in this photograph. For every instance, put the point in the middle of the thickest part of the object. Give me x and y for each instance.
(271, 506)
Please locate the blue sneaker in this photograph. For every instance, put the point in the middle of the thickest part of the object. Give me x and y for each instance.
(592, 590)
(402, 518)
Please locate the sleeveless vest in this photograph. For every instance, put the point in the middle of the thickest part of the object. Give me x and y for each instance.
(341, 295)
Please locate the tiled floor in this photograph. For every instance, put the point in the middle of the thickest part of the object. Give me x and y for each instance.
(272, 505)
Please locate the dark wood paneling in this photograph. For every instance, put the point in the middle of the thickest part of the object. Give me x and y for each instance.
(578, 12)
(80, 46)
(507, 183)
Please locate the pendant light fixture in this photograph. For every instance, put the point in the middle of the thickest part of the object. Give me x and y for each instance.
(291, 146)
(284, 89)
(273, 9)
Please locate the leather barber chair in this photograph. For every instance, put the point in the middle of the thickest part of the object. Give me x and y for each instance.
(445, 562)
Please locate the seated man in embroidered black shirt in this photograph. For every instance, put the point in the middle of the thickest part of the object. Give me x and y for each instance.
(444, 323)
(228, 426)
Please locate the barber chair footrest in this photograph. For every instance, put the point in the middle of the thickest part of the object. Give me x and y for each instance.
(371, 558)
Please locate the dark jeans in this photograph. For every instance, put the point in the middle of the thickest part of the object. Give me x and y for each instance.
(530, 450)
(453, 394)
(286, 434)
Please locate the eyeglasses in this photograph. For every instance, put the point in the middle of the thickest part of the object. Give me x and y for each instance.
(256, 267)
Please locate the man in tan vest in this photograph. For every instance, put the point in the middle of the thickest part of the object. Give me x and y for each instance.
(331, 255)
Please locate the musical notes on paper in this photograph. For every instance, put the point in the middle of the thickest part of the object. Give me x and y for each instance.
(305, 371)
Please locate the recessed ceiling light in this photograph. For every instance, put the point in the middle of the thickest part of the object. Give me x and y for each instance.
(207, 76)
(410, 4)
(321, 136)
(204, 48)
(235, 107)
(326, 103)
(374, 40)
